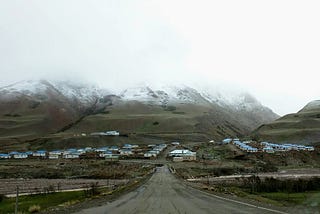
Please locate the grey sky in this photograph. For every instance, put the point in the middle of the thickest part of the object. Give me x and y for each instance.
(269, 48)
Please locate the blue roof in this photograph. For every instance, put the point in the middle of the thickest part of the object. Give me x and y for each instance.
(13, 153)
(268, 148)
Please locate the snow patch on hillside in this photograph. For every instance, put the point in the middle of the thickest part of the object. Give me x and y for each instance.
(88, 94)
(28, 87)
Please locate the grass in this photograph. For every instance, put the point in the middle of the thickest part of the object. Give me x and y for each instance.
(301, 198)
(43, 200)
(309, 199)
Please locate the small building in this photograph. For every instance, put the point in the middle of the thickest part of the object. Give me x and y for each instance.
(40, 153)
(55, 152)
(126, 152)
(158, 148)
(268, 149)
(150, 154)
(20, 155)
(4, 156)
(227, 141)
(114, 148)
(155, 151)
(53, 156)
(88, 149)
(71, 155)
(128, 146)
(102, 149)
(112, 133)
(177, 159)
(98, 133)
(251, 149)
(175, 143)
(81, 151)
(29, 153)
(186, 154)
(11, 154)
(104, 154)
(309, 148)
(111, 157)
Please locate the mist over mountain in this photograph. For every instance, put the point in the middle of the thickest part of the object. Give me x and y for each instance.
(31, 109)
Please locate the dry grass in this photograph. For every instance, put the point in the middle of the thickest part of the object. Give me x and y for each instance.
(34, 209)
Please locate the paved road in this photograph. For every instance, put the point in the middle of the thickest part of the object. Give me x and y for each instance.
(163, 193)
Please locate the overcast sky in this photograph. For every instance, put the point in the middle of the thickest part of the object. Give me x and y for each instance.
(268, 48)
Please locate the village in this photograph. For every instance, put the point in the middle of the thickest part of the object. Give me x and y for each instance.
(253, 146)
(151, 151)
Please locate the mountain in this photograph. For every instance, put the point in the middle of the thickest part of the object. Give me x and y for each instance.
(302, 127)
(31, 109)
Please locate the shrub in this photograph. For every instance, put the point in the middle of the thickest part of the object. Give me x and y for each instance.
(2, 197)
(92, 190)
(34, 209)
(170, 108)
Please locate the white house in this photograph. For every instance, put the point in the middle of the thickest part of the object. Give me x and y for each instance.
(175, 143)
(55, 152)
(309, 148)
(111, 157)
(185, 153)
(71, 155)
(268, 149)
(20, 156)
(4, 156)
(112, 133)
(126, 152)
(150, 154)
(53, 156)
(40, 153)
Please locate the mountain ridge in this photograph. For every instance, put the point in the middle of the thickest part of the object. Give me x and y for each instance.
(38, 108)
(302, 127)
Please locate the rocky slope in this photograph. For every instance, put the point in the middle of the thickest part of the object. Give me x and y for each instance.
(302, 127)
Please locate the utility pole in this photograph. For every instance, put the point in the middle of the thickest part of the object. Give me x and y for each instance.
(17, 196)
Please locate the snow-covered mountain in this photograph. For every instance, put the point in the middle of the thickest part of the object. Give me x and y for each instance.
(167, 95)
(54, 105)
(83, 93)
(87, 94)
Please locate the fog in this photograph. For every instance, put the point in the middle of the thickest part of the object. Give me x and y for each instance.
(268, 48)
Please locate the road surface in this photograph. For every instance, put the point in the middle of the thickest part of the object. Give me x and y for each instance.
(164, 193)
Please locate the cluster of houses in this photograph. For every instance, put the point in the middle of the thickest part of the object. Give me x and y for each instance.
(155, 150)
(108, 152)
(179, 155)
(244, 146)
(266, 146)
(272, 147)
